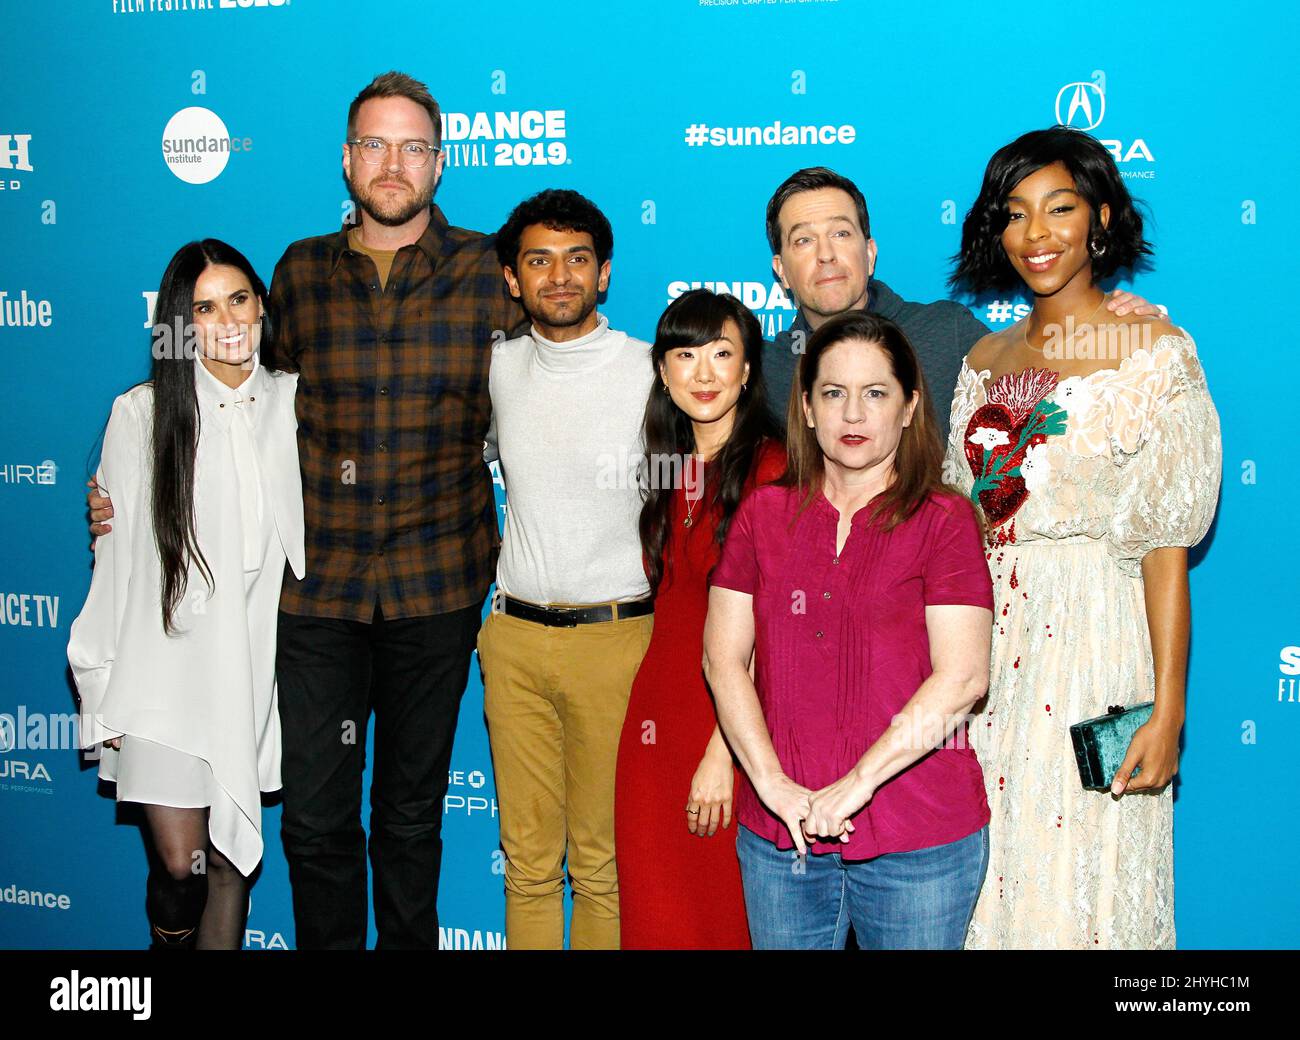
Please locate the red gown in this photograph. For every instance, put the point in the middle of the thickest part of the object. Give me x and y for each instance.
(676, 891)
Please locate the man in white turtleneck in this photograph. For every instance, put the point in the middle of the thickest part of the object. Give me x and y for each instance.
(571, 618)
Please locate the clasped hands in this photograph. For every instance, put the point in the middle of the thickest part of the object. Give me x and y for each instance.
(812, 815)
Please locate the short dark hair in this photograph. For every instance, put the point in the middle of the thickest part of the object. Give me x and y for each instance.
(811, 179)
(560, 210)
(982, 264)
(397, 84)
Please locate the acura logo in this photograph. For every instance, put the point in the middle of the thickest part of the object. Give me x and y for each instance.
(1086, 106)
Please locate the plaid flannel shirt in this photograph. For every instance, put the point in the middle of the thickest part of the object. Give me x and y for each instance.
(393, 408)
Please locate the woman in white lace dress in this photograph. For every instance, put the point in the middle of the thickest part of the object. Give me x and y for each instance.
(1093, 450)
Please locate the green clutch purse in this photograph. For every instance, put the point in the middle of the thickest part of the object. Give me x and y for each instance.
(1100, 744)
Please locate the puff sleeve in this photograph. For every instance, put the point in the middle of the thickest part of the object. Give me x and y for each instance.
(1169, 489)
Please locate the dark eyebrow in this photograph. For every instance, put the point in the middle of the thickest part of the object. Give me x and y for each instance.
(1055, 191)
(539, 251)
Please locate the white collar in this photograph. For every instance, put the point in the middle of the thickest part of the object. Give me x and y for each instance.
(220, 400)
(575, 355)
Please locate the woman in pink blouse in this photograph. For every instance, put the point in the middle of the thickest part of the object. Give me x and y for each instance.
(859, 588)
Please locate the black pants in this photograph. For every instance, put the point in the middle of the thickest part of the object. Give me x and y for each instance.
(331, 675)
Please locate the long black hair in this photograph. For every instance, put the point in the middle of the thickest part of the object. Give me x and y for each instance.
(693, 319)
(175, 434)
(982, 264)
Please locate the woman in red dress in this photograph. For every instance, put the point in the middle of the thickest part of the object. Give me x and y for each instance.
(709, 440)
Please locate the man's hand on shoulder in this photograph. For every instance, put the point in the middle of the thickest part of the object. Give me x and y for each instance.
(1122, 303)
(101, 509)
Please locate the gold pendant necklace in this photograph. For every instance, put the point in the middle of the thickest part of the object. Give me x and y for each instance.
(1024, 332)
(690, 505)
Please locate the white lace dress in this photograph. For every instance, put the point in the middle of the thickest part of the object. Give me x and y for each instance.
(1078, 478)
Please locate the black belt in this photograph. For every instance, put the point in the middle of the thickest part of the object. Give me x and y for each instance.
(570, 617)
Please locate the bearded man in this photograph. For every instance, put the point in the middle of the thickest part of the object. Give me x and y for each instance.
(390, 324)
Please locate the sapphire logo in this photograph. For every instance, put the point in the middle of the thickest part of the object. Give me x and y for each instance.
(1086, 105)
(20, 473)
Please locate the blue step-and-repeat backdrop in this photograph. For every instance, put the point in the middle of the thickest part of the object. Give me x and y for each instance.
(678, 118)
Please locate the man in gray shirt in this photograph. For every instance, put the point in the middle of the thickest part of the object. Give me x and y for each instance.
(825, 257)
(572, 616)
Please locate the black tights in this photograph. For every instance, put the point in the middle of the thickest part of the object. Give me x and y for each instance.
(194, 895)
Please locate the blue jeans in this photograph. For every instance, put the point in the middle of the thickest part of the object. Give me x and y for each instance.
(920, 900)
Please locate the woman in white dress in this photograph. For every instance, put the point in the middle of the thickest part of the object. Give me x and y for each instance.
(1092, 447)
(174, 651)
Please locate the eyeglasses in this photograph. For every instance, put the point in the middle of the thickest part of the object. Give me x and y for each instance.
(374, 150)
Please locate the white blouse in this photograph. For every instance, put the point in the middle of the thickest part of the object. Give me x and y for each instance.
(206, 691)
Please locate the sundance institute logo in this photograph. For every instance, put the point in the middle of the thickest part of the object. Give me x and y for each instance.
(196, 145)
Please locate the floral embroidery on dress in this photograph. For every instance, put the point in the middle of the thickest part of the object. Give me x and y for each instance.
(1005, 442)
(970, 385)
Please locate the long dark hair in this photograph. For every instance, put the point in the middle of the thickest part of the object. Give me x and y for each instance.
(175, 434)
(918, 463)
(693, 319)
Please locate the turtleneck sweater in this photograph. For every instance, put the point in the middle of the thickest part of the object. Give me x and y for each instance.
(567, 431)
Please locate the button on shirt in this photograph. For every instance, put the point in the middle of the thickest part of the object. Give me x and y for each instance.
(841, 646)
(392, 410)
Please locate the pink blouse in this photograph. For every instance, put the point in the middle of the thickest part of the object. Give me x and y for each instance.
(841, 646)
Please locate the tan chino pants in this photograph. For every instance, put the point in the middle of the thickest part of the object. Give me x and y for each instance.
(555, 700)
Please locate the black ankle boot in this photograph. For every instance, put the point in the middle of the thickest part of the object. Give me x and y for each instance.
(184, 939)
(175, 908)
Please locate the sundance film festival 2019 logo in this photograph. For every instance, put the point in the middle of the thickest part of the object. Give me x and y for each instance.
(529, 137)
(15, 157)
(770, 303)
(182, 6)
(197, 146)
(1082, 105)
(1289, 667)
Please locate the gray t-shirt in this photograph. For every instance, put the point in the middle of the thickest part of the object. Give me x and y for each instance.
(941, 333)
